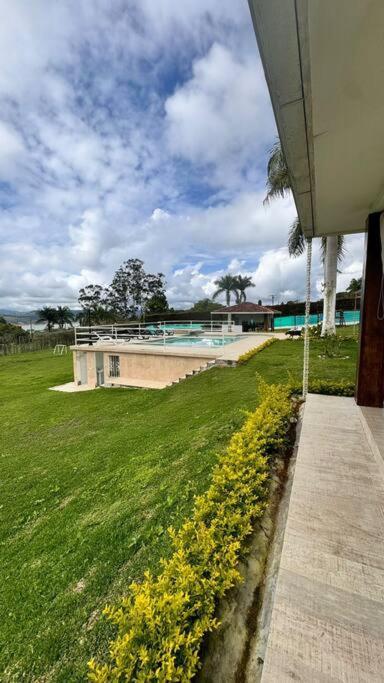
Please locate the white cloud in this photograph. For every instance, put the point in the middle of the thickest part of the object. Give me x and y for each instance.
(221, 116)
(159, 215)
(136, 131)
(277, 274)
(11, 150)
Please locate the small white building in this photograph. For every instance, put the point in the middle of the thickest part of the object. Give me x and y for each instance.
(246, 317)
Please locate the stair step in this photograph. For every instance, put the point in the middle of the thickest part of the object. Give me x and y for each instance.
(209, 364)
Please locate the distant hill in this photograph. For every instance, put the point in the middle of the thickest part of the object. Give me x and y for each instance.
(18, 316)
(22, 316)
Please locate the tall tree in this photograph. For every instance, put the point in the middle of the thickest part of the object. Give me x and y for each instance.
(132, 287)
(226, 285)
(47, 315)
(91, 296)
(243, 282)
(64, 316)
(93, 302)
(157, 303)
(279, 185)
(126, 289)
(153, 293)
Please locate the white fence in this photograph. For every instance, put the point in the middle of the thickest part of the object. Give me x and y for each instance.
(145, 332)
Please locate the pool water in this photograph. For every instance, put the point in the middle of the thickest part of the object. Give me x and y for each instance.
(204, 342)
(176, 326)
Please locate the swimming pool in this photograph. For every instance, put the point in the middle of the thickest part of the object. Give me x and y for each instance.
(203, 342)
(176, 326)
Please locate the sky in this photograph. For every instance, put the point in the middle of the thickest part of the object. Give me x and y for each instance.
(139, 129)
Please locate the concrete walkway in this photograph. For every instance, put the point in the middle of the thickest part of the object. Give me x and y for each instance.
(72, 388)
(327, 619)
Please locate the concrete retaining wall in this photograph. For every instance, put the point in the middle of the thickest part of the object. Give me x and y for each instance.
(152, 367)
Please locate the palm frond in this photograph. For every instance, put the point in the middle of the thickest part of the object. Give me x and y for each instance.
(278, 181)
(219, 291)
(341, 250)
(296, 239)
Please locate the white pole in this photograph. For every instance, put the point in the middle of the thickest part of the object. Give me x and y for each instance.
(330, 284)
(307, 312)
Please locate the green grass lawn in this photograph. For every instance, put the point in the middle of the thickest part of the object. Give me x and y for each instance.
(89, 484)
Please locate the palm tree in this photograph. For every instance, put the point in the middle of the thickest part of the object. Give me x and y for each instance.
(226, 284)
(332, 249)
(47, 315)
(279, 185)
(64, 316)
(242, 283)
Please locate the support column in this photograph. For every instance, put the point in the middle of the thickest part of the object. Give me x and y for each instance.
(370, 369)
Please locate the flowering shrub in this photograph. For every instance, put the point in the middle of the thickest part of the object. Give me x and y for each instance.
(324, 386)
(162, 621)
(249, 354)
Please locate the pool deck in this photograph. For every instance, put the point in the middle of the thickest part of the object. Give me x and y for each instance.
(229, 352)
(327, 621)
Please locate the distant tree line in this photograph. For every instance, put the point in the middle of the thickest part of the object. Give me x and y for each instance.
(132, 294)
(10, 333)
(237, 284)
(62, 316)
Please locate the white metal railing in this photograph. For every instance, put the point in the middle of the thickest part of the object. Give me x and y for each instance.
(146, 332)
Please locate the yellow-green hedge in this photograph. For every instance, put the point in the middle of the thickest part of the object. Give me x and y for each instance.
(324, 386)
(249, 354)
(163, 619)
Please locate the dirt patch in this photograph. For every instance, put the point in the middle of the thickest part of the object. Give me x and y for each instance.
(79, 586)
(63, 504)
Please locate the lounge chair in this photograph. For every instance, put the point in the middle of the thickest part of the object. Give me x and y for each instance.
(294, 332)
(108, 339)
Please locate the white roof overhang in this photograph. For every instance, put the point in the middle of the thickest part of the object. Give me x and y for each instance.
(324, 65)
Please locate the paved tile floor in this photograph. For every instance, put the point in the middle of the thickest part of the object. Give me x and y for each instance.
(327, 620)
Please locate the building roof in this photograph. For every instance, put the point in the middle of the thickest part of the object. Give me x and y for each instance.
(246, 307)
(323, 65)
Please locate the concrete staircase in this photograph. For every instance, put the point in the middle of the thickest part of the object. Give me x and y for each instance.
(207, 366)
